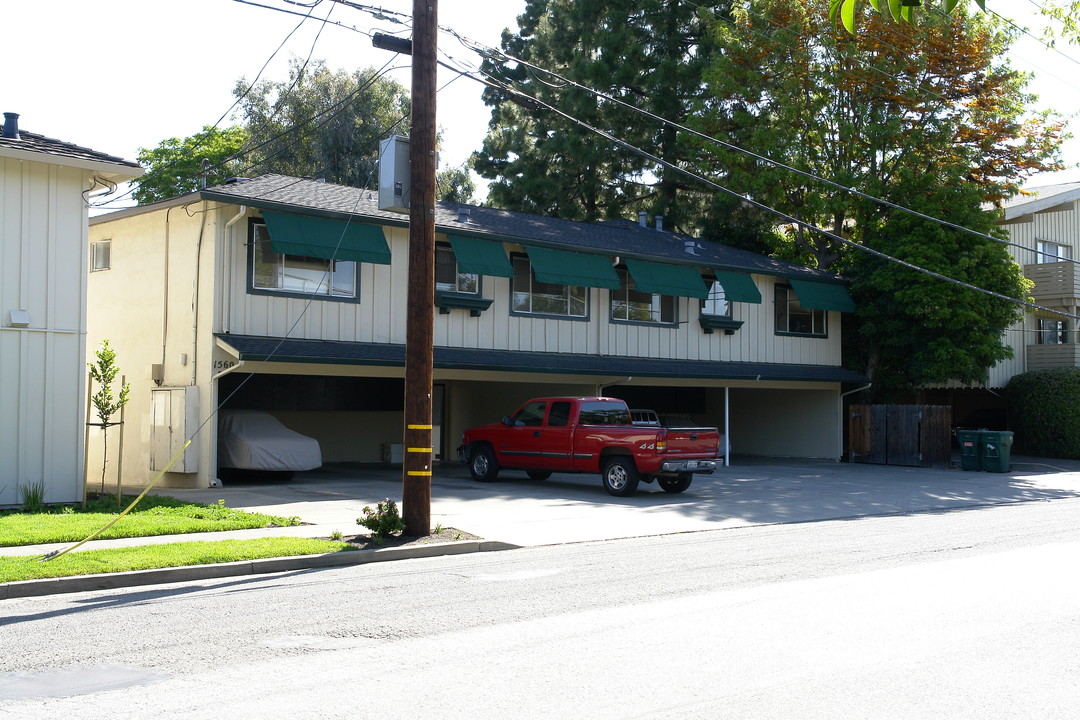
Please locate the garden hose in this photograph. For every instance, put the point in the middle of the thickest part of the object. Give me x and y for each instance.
(57, 553)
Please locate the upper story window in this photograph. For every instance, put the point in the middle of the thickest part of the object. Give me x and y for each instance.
(793, 319)
(532, 297)
(628, 304)
(100, 255)
(275, 272)
(1050, 252)
(447, 276)
(717, 303)
(1052, 332)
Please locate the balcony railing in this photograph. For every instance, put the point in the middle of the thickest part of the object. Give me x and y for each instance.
(1047, 357)
(1056, 283)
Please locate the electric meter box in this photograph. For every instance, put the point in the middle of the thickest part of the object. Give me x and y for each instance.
(394, 174)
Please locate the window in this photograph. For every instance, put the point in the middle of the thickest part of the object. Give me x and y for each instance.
(530, 296)
(280, 273)
(1049, 252)
(100, 255)
(559, 415)
(717, 303)
(447, 276)
(792, 318)
(604, 412)
(531, 415)
(1052, 332)
(628, 304)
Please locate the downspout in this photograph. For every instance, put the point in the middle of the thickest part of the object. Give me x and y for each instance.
(195, 298)
(165, 294)
(600, 388)
(225, 282)
(727, 426)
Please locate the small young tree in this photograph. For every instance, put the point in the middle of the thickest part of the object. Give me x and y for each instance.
(104, 372)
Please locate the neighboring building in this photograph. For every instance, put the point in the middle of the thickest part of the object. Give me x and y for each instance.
(44, 184)
(229, 297)
(1047, 224)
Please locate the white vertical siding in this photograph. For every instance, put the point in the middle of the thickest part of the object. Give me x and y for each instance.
(43, 259)
(379, 317)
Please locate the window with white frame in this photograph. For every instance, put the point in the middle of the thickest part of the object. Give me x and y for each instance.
(717, 303)
(276, 272)
(529, 296)
(1051, 252)
(628, 304)
(793, 319)
(1052, 331)
(447, 276)
(100, 255)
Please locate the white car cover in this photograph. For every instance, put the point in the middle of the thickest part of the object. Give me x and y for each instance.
(252, 440)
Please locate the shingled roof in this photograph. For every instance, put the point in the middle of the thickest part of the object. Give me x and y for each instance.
(625, 239)
(28, 142)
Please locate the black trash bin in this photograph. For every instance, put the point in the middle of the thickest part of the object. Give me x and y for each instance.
(970, 449)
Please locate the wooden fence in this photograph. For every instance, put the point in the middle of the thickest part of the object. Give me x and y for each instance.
(913, 435)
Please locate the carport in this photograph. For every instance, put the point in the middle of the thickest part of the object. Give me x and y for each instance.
(349, 395)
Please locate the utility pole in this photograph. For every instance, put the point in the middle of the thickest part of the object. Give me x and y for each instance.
(419, 329)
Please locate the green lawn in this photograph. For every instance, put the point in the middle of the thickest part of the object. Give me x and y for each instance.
(154, 515)
(146, 557)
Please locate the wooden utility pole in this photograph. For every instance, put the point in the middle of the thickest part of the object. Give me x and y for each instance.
(419, 329)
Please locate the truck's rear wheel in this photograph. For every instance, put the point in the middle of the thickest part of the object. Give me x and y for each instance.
(482, 464)
(676, 484)
(620, 476)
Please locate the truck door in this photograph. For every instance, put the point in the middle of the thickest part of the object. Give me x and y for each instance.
(521, 444)
(558, 437)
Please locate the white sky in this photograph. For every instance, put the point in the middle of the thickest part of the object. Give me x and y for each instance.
(117, 75)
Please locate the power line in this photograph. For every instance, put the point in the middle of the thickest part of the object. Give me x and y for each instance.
(491, 53)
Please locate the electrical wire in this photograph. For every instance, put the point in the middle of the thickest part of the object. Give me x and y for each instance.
(491, 53)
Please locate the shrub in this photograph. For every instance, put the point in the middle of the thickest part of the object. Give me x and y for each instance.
(384, 520)
(33, 496)
(1044, 409)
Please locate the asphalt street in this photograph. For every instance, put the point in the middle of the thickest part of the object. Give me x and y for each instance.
(965, 612)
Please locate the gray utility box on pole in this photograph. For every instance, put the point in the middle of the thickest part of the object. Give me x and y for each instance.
(394, 175)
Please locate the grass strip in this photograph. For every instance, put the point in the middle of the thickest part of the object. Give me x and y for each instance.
(149, 557)
(155, 515)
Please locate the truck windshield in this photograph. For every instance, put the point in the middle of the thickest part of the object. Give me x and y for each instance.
(602, 412)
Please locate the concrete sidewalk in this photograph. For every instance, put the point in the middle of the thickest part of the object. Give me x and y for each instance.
(518, 512)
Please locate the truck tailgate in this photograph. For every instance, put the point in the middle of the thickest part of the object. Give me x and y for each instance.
(693, 442)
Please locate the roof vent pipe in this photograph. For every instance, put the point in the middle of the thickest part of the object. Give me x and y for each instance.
(641, 218)
(690, 246)
(660, 223)
(464, 215)
(11, 125)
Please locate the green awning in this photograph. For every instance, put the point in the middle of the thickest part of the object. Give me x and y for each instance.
(664, 279)
(823, 296)
(561, 267)
(738, 287)
(483, 257)
(325, 238)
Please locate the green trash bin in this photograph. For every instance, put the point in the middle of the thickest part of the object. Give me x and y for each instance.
(970, 449)
(995, 449)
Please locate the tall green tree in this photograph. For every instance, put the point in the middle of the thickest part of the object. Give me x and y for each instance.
(182, 165)
(318, 123)
(321, 123)
(649, 53)
(929, 118)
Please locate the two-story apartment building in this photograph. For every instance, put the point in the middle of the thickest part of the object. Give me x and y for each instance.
(44, 184)
(288, 295)
(1047, 225)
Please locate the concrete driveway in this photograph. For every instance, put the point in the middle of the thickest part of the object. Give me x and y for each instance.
(575, 508)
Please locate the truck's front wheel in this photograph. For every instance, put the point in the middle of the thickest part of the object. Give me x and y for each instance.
(483, 465)
(677, 484)
(620, 476)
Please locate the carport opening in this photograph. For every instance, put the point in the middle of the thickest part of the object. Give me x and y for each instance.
(355, 420)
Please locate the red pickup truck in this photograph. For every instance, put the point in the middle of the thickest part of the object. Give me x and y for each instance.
(590, 435)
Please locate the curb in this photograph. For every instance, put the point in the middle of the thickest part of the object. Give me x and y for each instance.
(135, 578)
